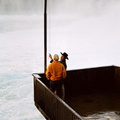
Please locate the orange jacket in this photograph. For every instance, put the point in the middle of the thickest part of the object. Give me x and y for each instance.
(56, 71)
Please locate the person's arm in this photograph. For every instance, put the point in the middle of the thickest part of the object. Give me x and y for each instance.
(50, 56)
(48, 75)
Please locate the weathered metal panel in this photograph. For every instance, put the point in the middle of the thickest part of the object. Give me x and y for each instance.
(90, 80)
(117, 78)
(50, 105)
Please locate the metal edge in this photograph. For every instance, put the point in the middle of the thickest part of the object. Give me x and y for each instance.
(64, 103)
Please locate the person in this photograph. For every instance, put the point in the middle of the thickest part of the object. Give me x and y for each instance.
(56, 73)
(63, 58)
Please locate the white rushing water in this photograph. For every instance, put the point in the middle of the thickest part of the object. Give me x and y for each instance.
(90, 37)
(21, 55)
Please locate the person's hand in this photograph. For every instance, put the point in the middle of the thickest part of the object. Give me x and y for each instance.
(50, 56)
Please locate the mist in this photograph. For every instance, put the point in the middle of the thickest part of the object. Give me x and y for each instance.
(27, 7)
(88, 30)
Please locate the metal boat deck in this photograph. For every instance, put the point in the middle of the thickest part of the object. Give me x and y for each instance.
(87, 91)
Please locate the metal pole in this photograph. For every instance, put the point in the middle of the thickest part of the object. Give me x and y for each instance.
(45, 35)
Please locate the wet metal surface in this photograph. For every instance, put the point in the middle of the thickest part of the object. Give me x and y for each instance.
(97, 106)
(104, 116)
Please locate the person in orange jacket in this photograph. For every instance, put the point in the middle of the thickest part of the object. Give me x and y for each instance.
(63, 58)
(56, 73)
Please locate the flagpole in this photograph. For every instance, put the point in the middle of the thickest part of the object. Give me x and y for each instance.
(45, 35)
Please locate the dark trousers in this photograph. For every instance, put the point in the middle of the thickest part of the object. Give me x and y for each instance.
(56, 86)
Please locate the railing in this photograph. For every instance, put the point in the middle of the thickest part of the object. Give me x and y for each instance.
(83, 81)
(50, 105)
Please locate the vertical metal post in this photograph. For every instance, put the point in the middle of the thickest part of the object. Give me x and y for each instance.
(45, 35)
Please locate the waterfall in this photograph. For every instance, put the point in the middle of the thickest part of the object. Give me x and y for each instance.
(83, 7)
(20, 6)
